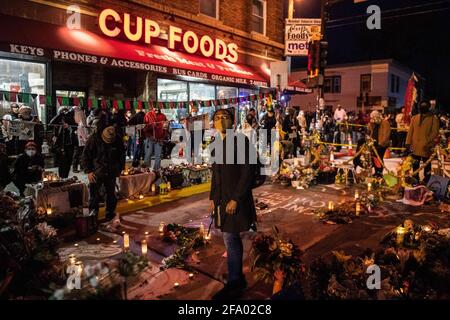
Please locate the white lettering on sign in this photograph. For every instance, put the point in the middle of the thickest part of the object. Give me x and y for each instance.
(135, 29)
(33, 51)
(75, 57)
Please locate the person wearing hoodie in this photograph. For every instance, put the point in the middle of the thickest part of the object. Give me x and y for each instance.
(64, 140)
(155, 133)
(81, 137)
(103, 162)
(28, 167)
(380, 131)
(423, 135)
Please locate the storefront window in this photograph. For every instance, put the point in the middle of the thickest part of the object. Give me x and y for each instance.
(23, 76)
(244, 107)
(226, 92)
(202, 92)
(172, 90)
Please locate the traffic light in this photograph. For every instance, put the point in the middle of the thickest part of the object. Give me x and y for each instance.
(323, 52)
(313, 59)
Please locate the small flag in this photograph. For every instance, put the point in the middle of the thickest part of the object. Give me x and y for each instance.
(120, 104)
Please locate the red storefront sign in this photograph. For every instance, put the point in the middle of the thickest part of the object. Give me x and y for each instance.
(59, 43)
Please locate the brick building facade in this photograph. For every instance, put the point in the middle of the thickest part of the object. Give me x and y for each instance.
(234, 21)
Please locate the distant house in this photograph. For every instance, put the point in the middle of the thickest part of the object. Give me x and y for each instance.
(374, 84)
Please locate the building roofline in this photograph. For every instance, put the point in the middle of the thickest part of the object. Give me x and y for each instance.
(368, 62)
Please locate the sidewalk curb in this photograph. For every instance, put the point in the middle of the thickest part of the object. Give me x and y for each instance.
(126, 206)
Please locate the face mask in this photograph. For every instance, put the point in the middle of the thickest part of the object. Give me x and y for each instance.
(222, 125)
(30, 153)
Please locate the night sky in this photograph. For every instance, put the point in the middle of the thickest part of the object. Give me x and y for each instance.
(413, 32)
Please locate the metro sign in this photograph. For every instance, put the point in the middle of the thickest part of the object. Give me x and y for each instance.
(147, 30)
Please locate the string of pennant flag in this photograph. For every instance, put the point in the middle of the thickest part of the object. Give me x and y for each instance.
(127, 104)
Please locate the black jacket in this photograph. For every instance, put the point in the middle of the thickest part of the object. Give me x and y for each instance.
(23, 171)
(234, 182)
(5, 176)
(64, 136)
(105, 160)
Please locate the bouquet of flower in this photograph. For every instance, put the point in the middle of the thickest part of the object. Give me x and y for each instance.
(188, 240)
(340, 214)
(273, 255)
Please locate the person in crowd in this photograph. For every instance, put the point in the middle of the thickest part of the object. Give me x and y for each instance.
(268, 123)
(81, 136)
(402, 128)
(27, 129)
(130, 138)
(155, 133)
(6, 135)
(339, 114)
(14, 111)
(390, 117)
(301, 120)
(254, 124)
(248, 129)
(64, 140)
(423, 134)
(103, 162)
(232, 203)
(5, 175)
(290, 126)
(28, 167)
(92, 117)
(380, 131)
(138, 139)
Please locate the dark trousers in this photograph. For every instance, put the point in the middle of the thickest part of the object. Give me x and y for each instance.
(235, 251)
(379, 170)
(426, 170)
(64, 161)
(110, 190)
(138, 151)
(77, 156)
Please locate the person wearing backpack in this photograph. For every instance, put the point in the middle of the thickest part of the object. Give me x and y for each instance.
(231, 197)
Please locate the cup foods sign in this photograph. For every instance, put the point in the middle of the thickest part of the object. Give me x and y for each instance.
(147, 30)
(298, 35)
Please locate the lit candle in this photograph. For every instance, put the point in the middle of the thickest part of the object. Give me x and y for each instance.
(45, 179)
(202, 229)
(79, 265)
(141, 196)
(296, 162)
(76, 244)
(358, 208)
(115, 241)
(49, 209)
(161, 227)
(191, 276)
(98, 239)
(146, 233)
(331, 206)
(176, 285)
(197, 166)
(153, 189)
(168, 186)
(207, 237)
(125, 173)
(126, 241)
(400, 234)
(356, 195)
(72, 259)
(426, 228)
(331, 156)
(144, 247)
(369, 187)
